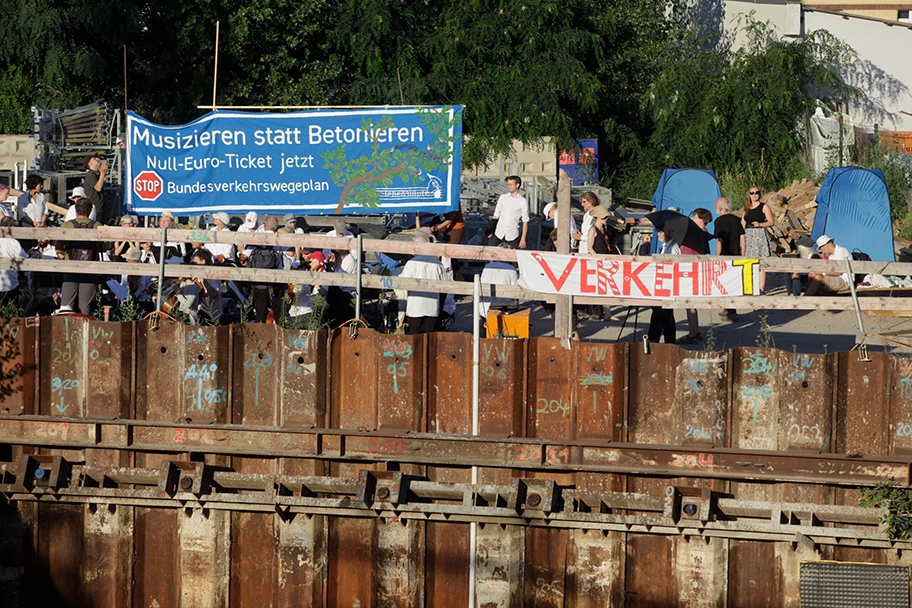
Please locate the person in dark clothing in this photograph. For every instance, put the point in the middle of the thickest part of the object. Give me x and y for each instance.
(730, 238)
(662, 321)
(597, 239)
(729, 231)
(93, 183)
(81, 285)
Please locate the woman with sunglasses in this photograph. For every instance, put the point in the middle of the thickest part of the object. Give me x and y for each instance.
(756, 219)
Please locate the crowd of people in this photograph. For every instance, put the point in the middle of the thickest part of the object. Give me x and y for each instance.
(212, 301)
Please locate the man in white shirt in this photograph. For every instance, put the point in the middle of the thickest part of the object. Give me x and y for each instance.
(221, 252)
(422, 308)
(497, 273)
(9, 279)
(830, 281)
(31, 204)
(512, 215)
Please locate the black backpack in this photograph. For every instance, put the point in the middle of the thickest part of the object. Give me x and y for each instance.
(83, 251)
(860, 256)
(263, 257)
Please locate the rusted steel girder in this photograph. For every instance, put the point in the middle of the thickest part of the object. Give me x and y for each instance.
(454, 450)
(538, 503)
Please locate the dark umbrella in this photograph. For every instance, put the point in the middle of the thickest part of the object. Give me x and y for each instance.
(681, 229)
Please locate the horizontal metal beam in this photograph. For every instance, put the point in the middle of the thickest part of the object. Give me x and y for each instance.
(454, 450)
(537, 502)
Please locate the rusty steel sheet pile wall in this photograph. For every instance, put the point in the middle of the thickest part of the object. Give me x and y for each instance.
(263, 375)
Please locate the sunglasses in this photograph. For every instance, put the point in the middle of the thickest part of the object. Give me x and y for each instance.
(754, 192)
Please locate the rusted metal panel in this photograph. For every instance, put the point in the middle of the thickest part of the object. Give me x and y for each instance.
(500, 557)
(500, 551)
(401, 405)
(304, 376)
(257, 376)
(60, 548)
(701, 390)
(351, 551)
(862, 425)
(301, 557)
(205, 384)
(257, 373)
(702, 396)
(108, 543)
(748, 584)
(595, 561)
(900, 431)
(157, 544)
(758, 414)
(205, 570)
(552, 411)
(63, 389)
(502, 386)
(109, 369)
(449, 380)
(353, 393)
(862, 411)
(806, 384)
(601, 378)
(401, 373)
(650, 575)
(449, 411)
(18, 371)
(755, 398)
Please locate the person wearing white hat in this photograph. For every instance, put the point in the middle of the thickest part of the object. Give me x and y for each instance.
(78, 193)
(550, 213)
(829, 281)
(221, 252)
(251, 223)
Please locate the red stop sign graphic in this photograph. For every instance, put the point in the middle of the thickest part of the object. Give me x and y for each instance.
(148, 185)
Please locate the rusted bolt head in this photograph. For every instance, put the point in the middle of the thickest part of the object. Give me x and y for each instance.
(186, 483)
(383, 493)
(534, 500)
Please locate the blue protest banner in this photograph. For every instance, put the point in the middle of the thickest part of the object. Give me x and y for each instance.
(369, 160)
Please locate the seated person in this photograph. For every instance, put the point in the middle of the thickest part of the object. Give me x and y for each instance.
(832, 282)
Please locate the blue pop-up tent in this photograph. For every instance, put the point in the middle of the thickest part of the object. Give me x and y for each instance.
(686, 190)
(854, 209)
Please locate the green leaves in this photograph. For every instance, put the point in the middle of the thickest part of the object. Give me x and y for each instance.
(897, 502)
(740, 113)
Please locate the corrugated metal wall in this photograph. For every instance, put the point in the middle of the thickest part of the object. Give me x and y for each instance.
(753, 398)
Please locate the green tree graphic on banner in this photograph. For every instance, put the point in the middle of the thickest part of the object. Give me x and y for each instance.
(360, 177)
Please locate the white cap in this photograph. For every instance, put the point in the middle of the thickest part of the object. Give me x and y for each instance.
(251, 219)
(78, 192)
(548, 209)
(222, 217)
(823, 240)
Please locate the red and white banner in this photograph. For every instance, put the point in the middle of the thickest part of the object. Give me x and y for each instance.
(591, 276)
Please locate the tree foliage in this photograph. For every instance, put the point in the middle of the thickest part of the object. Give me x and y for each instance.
(741, 113)
(631, 73)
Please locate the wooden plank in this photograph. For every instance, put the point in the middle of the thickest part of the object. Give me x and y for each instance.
(463, 252)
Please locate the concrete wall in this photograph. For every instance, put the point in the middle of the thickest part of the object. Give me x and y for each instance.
(525, 161)
(16, 148)
(882, 72)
